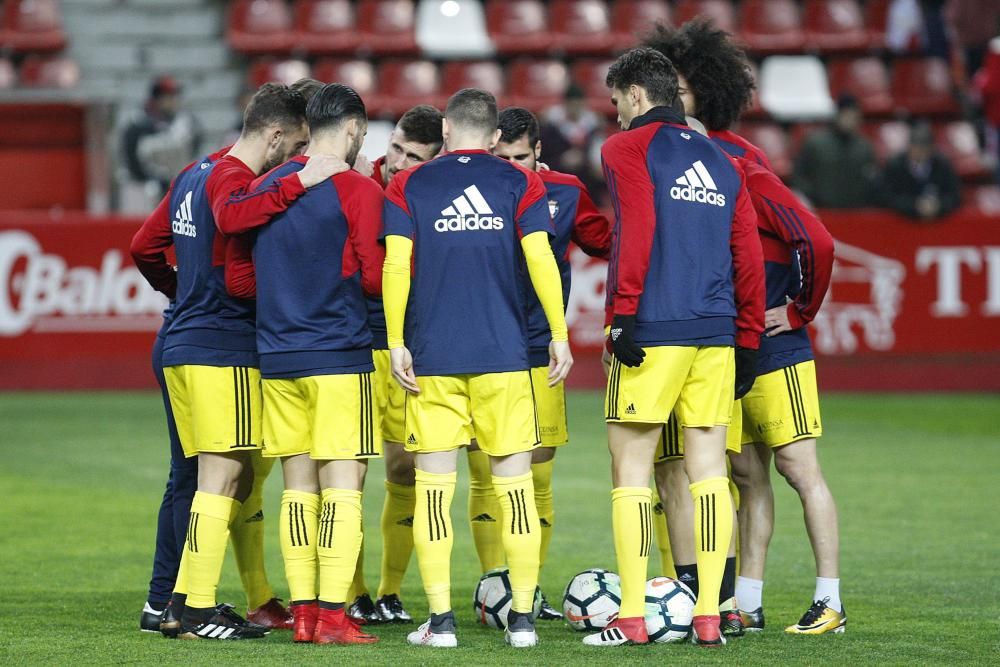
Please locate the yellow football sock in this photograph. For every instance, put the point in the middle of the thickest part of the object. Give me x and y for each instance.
(541, 476)
(663, 542)
(484, 513)
(397, 536)
(338, 543)
(631, 519)
(246, 534)
(298, 524)
(735, 547)
(180, 584)
(521, 537)
(433, 536)
(713, 528)
(205, 548)
(358, 586)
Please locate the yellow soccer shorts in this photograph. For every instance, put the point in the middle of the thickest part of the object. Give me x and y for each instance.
(783, 407)
(550, 404)
(497, 409)
(217, 408)
(696, 384)
(671, 446)
(329, 417)
(390, 396)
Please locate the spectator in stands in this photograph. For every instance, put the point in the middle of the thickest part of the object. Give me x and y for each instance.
(835, 167)
(920, 182)
(157, 143)
(572, 136)
(987, 87)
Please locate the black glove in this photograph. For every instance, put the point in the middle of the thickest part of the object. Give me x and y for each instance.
(623, 342)
(746, 370)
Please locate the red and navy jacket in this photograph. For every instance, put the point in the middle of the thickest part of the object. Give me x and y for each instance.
(314, 263)
(798, 262)
(686, 259)
(576, 219)
(376, 312)
(737, 146)
(466, 212)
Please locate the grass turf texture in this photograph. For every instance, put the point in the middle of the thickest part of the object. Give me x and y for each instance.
(915, 478)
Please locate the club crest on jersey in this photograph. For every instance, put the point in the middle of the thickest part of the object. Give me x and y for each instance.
(698, 186)
(183, 223)
(468, 212)
(553, 208)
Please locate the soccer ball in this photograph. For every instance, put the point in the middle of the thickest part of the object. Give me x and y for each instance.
(592, 599)
(669, 610)
(493, 596)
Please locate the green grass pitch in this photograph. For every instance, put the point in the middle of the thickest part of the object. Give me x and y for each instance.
(917, 480)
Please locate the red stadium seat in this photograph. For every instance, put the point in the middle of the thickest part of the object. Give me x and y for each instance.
(259, 26)
(281, 71)
(986, 198)
(632, 19)
(590, 75)
(387, 26)
(326, 26)
(405, 83)
(958, 141)
(537, 84)
(32, 25)
(835, 25)
(889, 138)
(582, 26)
(771, 139)
(876, 18)
(358, 74)
(519, 26)
(865, 78)
(721, 12)
(486, 74)
(49, 72)
(923, 86)
(771, 26)
(8, 74)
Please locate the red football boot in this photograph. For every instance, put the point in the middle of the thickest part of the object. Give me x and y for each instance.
(619, 632)
(705, 631)
(304, 623)
(334, 627)
(272, 614)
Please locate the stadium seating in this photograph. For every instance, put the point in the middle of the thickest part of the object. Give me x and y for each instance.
(358, 74)
(282, 71)
(889, 138)
(771, 139)
(984, 197)
(536, 84)
(865, 78)
(8, 74)
(923, 86)
(260, 26)
(876, 17)
(958, 141)
(581, 26)
(326, 27)
(485, 74)
(49, 72)
(772, 26)
(519, 26)
(404, 83)
(452, 30)
(590, 74)
(387, 27)
(835, 25)
(630, 19)
(32, 26)
(795, 88)
(721, 12)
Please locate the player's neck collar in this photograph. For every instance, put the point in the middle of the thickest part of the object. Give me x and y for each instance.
(469, 151)
(657, 115)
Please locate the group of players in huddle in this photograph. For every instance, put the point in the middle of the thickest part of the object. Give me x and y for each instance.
(326, 311)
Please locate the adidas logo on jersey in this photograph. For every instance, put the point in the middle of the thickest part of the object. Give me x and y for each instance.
(468, 212)
(183, 223)
(697, 185)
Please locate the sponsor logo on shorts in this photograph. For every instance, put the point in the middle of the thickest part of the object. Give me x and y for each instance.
(630, 410)
(764, 427)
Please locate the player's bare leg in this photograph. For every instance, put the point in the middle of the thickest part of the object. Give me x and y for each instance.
(338, 543)
(751, 470)
(632, 446)
(397, 531)
(298, 525)
(542, 462)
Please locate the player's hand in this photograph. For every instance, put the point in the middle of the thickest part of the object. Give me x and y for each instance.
(363, 165)
(623, 341)
(402, 369)
(746, 370)
(542, 166)
(560, 361)
(606, 361)
(776, 321)
(319, 168)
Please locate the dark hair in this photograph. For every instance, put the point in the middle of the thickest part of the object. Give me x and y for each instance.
(474, 109)
(847, 101)
(307, 87)
(516, 122)
(647, 68)
(422, 124)
(274, 103)
(332, 105)
(716, 68)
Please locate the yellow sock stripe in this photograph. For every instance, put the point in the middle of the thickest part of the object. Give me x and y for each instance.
(192, 534)
(326, 525)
